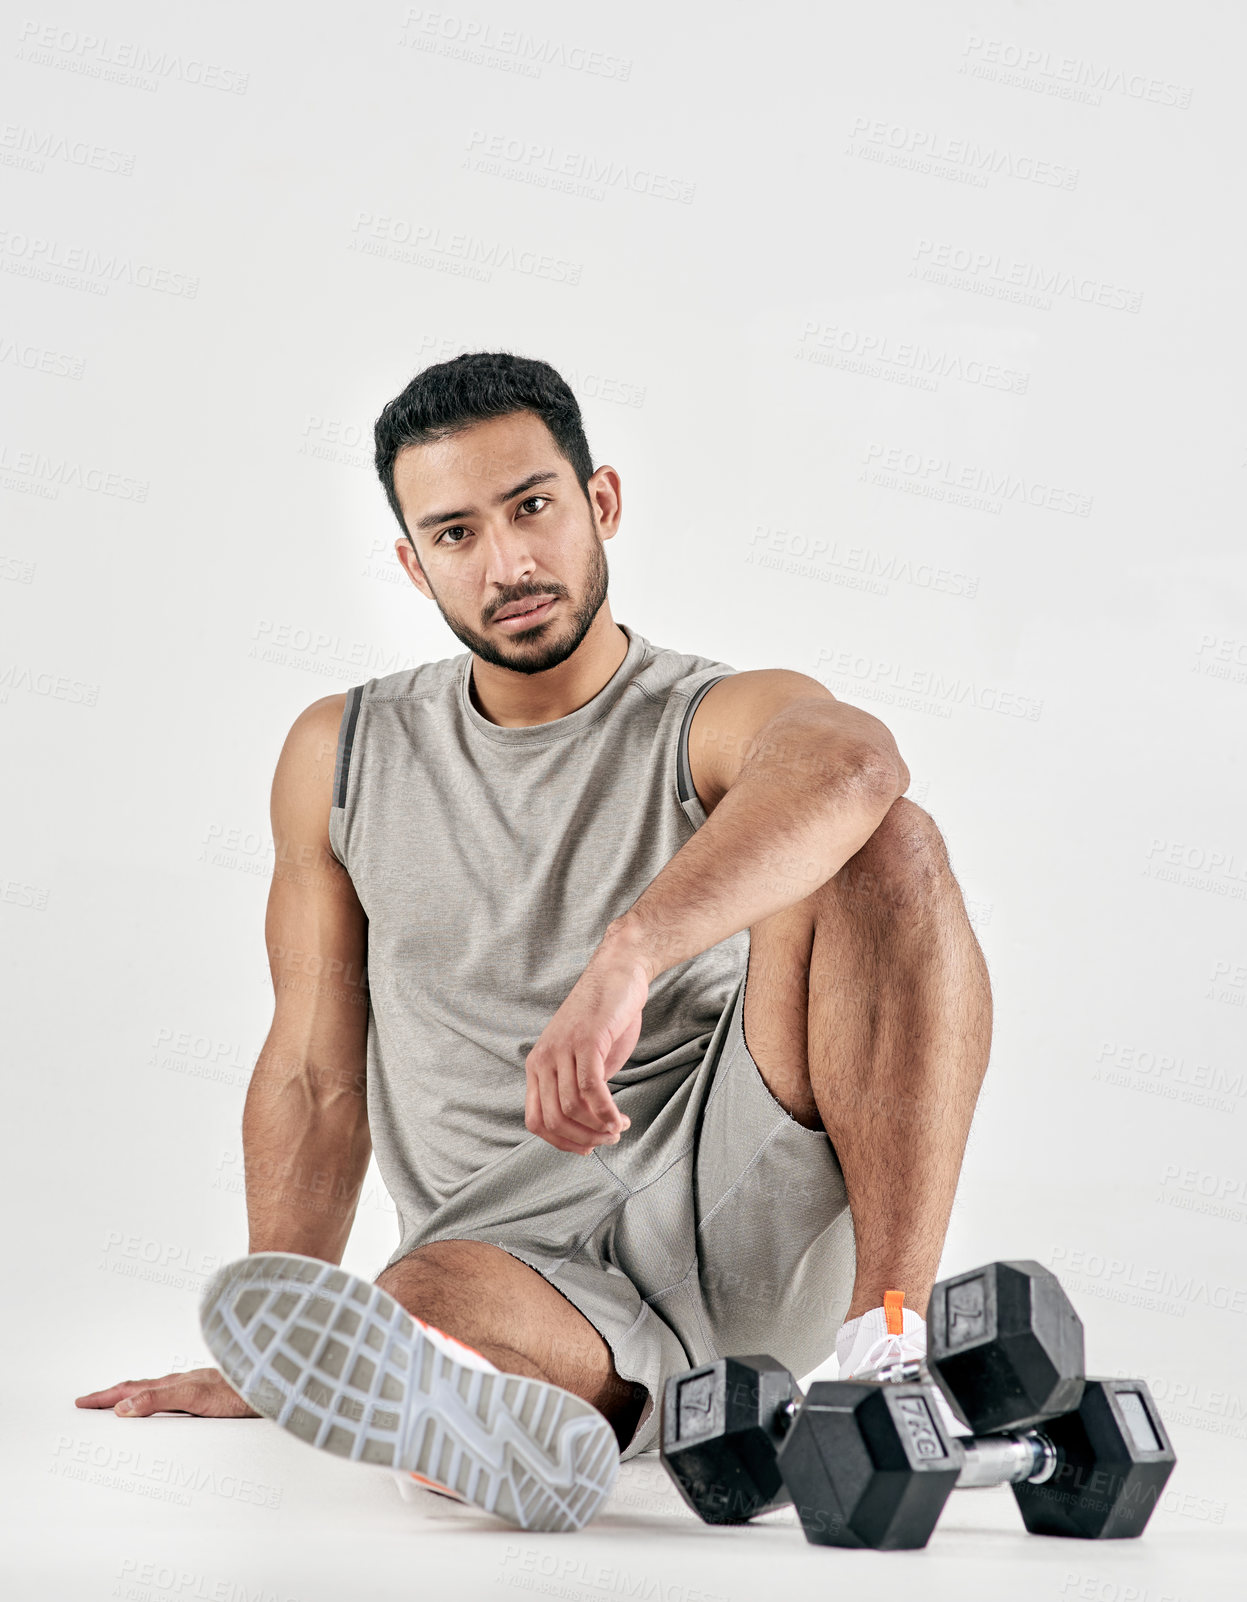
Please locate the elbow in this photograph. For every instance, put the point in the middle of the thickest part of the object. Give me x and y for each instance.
(880, 772)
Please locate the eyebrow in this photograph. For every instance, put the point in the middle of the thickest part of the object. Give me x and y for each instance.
(434, 518)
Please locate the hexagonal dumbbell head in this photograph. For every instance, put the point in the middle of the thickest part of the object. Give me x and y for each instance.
(1006, 1345)
(721, 1426)
(1113, 1458)
(868, 1464)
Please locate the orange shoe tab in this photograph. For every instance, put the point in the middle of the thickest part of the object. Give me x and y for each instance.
(892, 1301)
(436, 1485)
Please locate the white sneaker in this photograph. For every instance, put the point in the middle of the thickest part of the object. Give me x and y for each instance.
(339, 1363)
(867, 1351)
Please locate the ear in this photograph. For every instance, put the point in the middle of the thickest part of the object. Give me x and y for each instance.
(410, 563)
(606, 498)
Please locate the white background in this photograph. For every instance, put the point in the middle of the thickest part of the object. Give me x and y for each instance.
(916, 335)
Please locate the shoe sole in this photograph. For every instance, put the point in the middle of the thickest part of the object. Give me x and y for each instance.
(339, 1363)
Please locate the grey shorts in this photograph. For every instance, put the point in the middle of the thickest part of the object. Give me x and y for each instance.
(717, 1225)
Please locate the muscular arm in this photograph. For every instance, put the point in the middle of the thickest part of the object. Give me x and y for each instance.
(791, 794)
(814, 784)
(305, 1126)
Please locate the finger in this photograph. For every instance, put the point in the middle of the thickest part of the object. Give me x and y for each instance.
(141, 1402)
(571, 1136)
(114, 1393)
(534, 1119)
(577, 1148)
(182, 1396)
(593, 1096)
(576, 1106)
(532, 1107)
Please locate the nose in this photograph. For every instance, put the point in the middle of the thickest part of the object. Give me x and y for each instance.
(509, 564)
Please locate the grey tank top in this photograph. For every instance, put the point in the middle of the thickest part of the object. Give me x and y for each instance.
(489, 861)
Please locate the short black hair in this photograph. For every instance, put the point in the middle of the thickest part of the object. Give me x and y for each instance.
(450, 396)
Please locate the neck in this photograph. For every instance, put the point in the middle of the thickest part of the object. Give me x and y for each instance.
(520, 700)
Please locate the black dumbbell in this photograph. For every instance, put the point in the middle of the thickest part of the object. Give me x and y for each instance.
(1004, 1342)
(869, 1464)
(1005, 1346)
(721, 1428)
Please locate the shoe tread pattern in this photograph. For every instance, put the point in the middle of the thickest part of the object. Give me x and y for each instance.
(340, 1364)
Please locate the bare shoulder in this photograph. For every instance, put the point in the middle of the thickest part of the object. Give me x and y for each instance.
(303, 782)
(317, 726)
(731, 713)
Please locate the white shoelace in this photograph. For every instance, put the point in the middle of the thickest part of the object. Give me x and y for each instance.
(888, 1349)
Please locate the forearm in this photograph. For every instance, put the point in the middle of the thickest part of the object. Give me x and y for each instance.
(306, 1148)
(805, 801)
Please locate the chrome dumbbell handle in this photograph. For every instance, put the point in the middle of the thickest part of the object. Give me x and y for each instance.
(899, 1373)
(989, 1459)
(1006, 1459)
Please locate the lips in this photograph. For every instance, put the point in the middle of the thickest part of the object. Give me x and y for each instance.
(529, 608)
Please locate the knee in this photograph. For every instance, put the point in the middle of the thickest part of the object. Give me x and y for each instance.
(435, 1272)
(904, 863)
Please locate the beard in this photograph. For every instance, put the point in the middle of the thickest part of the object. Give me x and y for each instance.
(547, 643)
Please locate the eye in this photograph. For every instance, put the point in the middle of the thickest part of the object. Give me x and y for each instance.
(459, 528)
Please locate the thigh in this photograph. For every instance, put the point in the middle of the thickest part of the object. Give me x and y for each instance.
(495, 1303)
(775, 1247)
(775, 1014)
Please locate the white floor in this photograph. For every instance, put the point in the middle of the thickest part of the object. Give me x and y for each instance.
(177, 1509)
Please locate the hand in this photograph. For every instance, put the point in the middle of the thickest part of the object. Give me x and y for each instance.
(201, 1391)
(588, 1039)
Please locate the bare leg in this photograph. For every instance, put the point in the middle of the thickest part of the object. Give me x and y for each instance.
(506, 1311)
(868, 1009)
